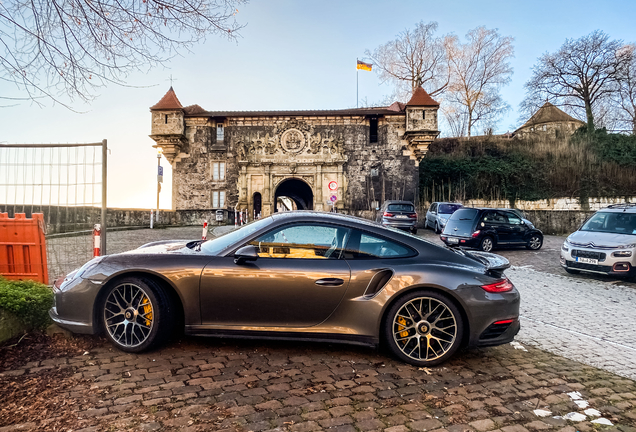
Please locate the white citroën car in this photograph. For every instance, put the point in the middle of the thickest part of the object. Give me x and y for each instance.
(605, 243)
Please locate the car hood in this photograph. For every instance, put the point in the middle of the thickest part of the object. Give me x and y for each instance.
(600, 239)
(177, 247)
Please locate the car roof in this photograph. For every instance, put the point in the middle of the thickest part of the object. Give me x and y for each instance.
(620, 208)
(397, 202)
(447, 202)
(316, 215)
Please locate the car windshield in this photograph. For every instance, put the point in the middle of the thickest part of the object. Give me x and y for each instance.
(448, 208)
(400, 207)
(610, 222)
(214, 246)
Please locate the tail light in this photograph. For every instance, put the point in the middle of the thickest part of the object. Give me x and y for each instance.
(475, 234)
(387, 214)
(413, 215)
(498, 287)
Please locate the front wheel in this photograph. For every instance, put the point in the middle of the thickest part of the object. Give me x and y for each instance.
(535, 242)
(423, 328)
(135, 314)
(437, 230)
(486, 244)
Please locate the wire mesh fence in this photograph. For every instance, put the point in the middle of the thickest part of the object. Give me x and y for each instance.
(65, 182)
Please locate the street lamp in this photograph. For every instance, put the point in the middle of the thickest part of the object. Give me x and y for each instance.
(159, 178)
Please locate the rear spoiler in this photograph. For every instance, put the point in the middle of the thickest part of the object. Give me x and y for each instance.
(495, 264)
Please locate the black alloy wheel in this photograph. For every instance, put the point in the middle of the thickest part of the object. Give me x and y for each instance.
(487, 244)
(535, 242)
(423, 328)
(135, 314)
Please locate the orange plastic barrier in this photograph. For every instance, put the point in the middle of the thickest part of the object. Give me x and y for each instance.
(23, 247)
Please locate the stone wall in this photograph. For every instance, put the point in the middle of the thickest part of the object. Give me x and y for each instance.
(551, 204)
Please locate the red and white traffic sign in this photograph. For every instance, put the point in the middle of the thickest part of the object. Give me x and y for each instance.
(333, 185)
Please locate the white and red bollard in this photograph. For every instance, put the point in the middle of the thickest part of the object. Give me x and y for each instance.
(205, 230)
(97, 240)
(235, 218)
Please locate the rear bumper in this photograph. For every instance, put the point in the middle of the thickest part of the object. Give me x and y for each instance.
(461, 241)
(401, 225)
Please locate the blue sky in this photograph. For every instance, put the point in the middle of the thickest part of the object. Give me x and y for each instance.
(296, 55)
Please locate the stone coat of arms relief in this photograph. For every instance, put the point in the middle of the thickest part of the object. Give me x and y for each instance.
(294, 138)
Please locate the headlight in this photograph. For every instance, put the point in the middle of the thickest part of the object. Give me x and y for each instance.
(629, 246)
(566, 246)
(80, 271)
(622, 254)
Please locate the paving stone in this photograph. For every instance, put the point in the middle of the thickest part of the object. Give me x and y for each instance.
(483, 425)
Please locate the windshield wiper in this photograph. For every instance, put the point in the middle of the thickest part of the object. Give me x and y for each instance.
(195, 244)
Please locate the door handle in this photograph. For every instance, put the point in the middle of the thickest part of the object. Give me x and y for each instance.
(329, 282)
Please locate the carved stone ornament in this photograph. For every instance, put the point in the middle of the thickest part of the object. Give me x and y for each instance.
(293, 167)
(293, 141)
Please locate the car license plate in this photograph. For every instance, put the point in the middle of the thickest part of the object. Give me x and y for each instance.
(586, 260)
(402, 217)
(453, 240)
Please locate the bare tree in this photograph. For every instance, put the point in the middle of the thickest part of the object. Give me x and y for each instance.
(479, 68)
(66, 49)
(416, 57)
(580, 74)
(625, 95)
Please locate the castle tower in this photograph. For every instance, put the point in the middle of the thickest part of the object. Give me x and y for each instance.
(168, 126)
(421, 124)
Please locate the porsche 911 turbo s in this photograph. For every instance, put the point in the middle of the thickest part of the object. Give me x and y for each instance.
(299, 275)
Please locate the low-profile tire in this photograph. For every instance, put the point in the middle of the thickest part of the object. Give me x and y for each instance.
(437, 230)
(535, 242)
(571, 271)
(487, 244)
(423, 328)
(135, 314)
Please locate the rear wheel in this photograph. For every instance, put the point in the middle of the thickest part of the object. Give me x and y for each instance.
(414, 231)
(135, 314)
(535, 242)
(423, 328)
(437, 230)
(487, 244)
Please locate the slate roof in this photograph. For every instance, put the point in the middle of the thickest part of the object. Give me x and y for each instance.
(421, 98)
(168, 102)
(548, 113)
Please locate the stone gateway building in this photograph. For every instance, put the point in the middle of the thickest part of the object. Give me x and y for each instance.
(264, 161)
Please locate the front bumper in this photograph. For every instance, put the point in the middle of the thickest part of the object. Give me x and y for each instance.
(74, 304)
(606, 263)
(73, 326)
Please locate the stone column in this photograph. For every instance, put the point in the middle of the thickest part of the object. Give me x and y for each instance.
(341, 189)
(242, 186)
(319, 197)
(266, 199)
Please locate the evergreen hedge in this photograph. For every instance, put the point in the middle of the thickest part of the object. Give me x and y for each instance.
(29, 301)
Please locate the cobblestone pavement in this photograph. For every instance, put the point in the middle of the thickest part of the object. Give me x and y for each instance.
(205, 384)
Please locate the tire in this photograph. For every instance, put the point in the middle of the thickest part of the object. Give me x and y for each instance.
(572, 271)
(487, 244)
(142, 307)
(414, 231)
(437, 230)
(535, 242)
(415, 319)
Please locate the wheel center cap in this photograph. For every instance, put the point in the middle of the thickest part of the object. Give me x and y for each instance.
(423, 327)
(129, 314)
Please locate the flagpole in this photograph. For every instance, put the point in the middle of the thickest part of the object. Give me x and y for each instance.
(357, 74)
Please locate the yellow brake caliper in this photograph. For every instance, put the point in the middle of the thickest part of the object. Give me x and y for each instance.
(402, 326)
(147, 310)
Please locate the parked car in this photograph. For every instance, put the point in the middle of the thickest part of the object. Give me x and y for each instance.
(520, 214)
(438, 214)
(605, 243)
(398, 214)
(487, 228)
(299, 275)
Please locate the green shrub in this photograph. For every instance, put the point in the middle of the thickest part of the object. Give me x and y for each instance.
(28, 300)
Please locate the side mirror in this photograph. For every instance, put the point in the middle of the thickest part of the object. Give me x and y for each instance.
(246, 253)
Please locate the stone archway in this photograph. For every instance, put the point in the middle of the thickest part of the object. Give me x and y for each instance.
(297, 191)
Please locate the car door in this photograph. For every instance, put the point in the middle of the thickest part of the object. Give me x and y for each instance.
(516, 227)
(491, 224)
(431, 214)
(298, 280)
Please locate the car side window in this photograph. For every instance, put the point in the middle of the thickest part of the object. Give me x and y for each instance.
(489, 217)
(305, 241)
(514, 219)
(433, 208)
(362, 245)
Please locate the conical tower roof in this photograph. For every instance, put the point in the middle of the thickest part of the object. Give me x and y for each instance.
(168, 102)
(421, 98)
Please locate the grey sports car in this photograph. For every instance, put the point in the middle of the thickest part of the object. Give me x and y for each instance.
(299, 275)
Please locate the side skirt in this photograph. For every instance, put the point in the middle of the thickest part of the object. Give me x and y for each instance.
(198, 330)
